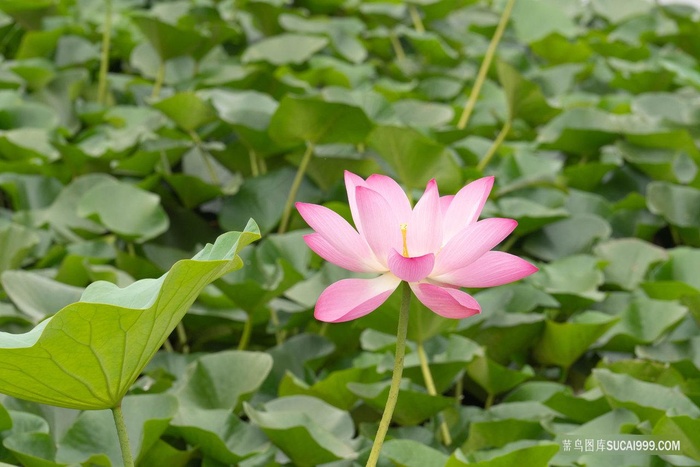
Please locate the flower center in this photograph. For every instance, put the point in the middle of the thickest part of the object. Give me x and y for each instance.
(404, 229)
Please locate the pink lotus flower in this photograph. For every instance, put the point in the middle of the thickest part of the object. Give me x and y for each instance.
(437, 247)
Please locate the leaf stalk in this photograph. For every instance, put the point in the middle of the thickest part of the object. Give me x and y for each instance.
(298, 178)
(430, 386)
(485, 65)
(123, 436)
(104, 56)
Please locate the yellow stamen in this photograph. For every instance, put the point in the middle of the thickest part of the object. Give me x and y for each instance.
(404, 229)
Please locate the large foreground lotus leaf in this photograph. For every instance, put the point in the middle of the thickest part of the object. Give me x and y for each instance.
(89, 353)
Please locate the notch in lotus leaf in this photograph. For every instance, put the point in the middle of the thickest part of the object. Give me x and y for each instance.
(88, 354)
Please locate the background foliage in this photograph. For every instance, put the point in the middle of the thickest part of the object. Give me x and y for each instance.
(208, 109)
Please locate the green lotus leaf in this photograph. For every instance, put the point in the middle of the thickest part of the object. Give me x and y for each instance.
(89, 353)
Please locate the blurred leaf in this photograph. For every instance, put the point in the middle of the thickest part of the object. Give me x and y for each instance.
(504, 335)
(679, 205)
(169, 41)
(213, 386)
(531, 453)
(531, 216)
(221, 380)
(446, 363)
(94, 434)
(16, 242)
(679, 353)
(684, 429)
(582, 407)
(306, 429)
(29, 15)
(219, 433)
(682, 266)
(412, 407)
(495, 378)
(415, 157)
(577, 234)
(649, 401)
(332, 389)
(263, 197)
(499, 433)
(186, 109)
(572, 277)
(284, 48)
(408, 453)
(563, 343)
(525, 99)
(536, 19)
(318, 122)
(620, 12)
(124, 209)
(36, 295)
(579, 130)
(251, 109)
(296, 355)
(643, 322)
(423, 114)
(628, 260)
(32, 449)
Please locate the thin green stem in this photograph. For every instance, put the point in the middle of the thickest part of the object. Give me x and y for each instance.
(323, 329)
(489, 401)
(459, 389)
(104, 56)
(306, 158)
(275, 319)
(509, 243)
(485, 65)
(168, 346)
(247, 331)
(430, 386)
(415, 17)
(675, 235)
(395, 377)
(123, 436)
(160, 77)
(564, 375)
(253, 163)
(483, 163)
(182, 338)
(398, 48)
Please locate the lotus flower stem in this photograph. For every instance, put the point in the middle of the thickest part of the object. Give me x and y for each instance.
(395, 377)
(430, 386)
(104, 58)
(306, 158)
(123, 436)
(485, 65)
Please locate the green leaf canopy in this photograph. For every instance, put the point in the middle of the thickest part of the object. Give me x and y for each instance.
(89, 353)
